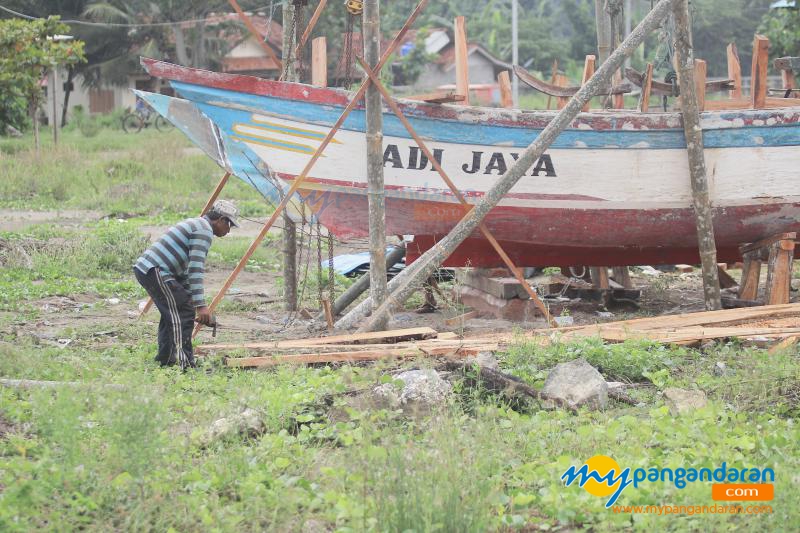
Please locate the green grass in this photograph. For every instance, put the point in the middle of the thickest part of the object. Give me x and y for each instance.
(116, 173)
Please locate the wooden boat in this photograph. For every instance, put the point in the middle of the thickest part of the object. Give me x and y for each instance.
(613, 189)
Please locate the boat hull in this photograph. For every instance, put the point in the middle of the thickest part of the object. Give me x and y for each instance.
(612, 189)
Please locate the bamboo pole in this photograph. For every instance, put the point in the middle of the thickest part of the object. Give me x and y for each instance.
(376, 195)
(302, 176)
(213, 198)
(404, 284)
(694, 145)
(457, 193)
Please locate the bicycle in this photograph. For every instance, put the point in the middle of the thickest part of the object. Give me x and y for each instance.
(134, 121)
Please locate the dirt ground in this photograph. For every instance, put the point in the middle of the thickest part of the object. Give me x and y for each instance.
(253, 309)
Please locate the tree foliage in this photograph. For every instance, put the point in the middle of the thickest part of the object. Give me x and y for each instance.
(28, 49)
(782, 26)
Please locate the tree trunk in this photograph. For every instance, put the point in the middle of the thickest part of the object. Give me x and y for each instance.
(180, 45)
(34, 108)
(375, 190)
(67, 92)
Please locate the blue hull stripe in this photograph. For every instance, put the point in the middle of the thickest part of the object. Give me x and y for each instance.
(480, 134)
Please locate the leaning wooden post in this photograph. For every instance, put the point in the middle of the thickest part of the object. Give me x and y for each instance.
(289, 228)
(697, 164)
(405, 283)
(375, 193)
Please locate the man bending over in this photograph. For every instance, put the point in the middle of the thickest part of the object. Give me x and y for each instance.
(171, 271)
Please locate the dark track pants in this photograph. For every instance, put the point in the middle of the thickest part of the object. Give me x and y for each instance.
(177, 318)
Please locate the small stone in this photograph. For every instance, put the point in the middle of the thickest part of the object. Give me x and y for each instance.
(605, 314)
(485, 360)
(142, 305)
(683, 401)
(113, 301)
(796, 284)
(422, 391)
(577, 383)
(720, 368)
(650, 271)
(247, 423)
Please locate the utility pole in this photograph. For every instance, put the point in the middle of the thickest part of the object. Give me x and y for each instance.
(515, 51)
(289, 229)
(375, 191)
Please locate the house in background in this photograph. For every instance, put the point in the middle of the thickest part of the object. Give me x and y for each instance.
(245, 57)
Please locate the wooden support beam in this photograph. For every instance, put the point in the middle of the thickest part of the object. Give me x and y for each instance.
(700, 69)
(326, 308)
(599, 277)
(407, 282)
(647, 84)
(298, 181)
(618, 100)
(758, 72)
(319, 62)
(376, 194)
(506, 98)
(734, 72)
(588, 72)
(462, 70)
(779, 272)
(622, 276)
(751, 273)
(562, 81)
(693, 134)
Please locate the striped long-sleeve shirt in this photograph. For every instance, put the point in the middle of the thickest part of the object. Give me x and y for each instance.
(180, 254)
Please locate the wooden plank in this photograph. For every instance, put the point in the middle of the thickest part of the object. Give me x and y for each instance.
(439, 97)
(460, 319)
(588, 72)
(787, 63)
(506, 98)
(724, 316)
(700, 70)
(447, 335)
(319, 62)
(647, 84)
(682, 336)
(352, 357)
(462, 71)
(725, 279)
(395, 335)
(617, 100)
(599, 277)
(779, 272)
(734, 72)
(758, 72)
(561, 81)
(770, 103)
(622, 276)
(768, 241)
(751, 273)
(326, 308)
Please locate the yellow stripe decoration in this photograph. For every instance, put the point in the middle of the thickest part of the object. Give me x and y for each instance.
(278, 145)
(289, 130)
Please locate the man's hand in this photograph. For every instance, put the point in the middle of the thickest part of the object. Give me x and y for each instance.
(203, 316)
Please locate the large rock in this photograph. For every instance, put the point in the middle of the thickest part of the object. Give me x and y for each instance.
(578, 384)
(683, 401)
(248, 423)
(422, 391)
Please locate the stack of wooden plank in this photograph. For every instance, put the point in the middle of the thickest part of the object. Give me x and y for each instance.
(771, 322)
(400, 343)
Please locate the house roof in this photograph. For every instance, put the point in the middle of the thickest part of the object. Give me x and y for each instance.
(265, 26)
(447, 58)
